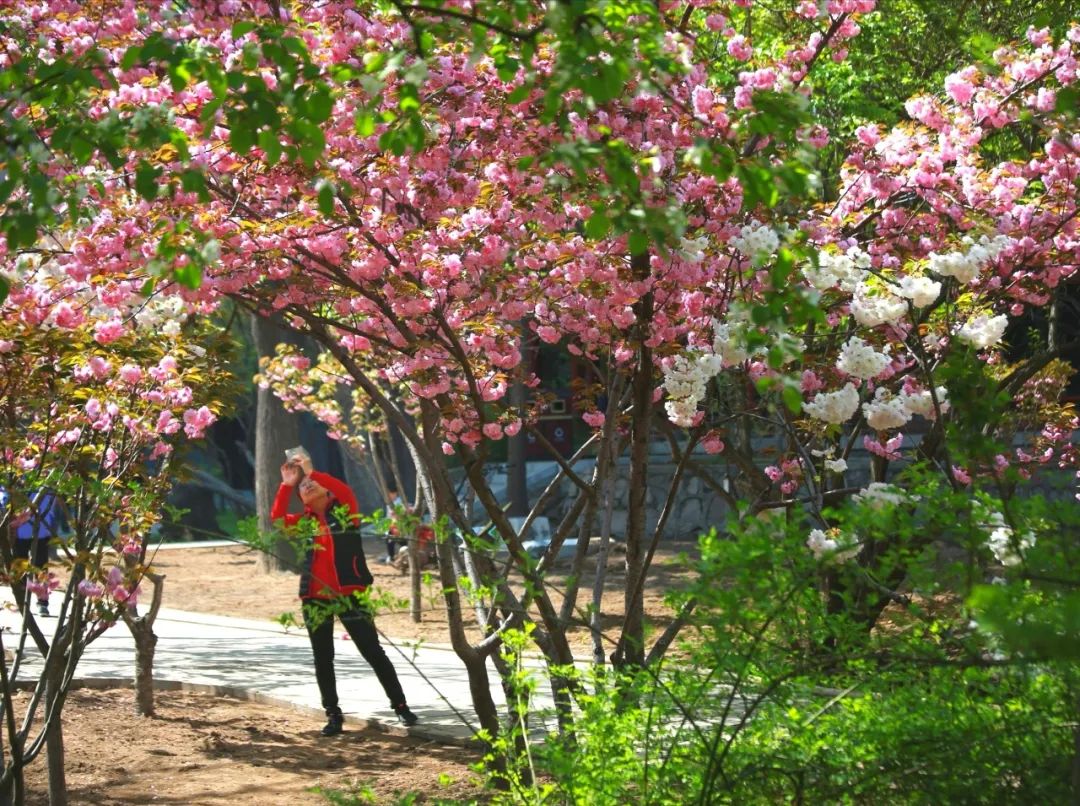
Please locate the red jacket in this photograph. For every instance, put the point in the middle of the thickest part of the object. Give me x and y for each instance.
(335, 564)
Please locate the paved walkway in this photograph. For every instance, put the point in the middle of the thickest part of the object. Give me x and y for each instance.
(261, 660)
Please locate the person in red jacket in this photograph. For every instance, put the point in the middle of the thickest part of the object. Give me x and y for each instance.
(334, 569)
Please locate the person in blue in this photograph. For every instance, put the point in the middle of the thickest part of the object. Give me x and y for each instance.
(32, 536)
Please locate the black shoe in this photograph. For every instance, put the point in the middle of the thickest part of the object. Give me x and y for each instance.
(334, 721)
(43, 609)
(405, 716)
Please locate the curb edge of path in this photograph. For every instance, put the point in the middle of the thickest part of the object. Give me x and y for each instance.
(419, 731)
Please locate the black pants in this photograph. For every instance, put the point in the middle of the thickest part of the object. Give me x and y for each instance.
(361, 628)
(40, 552)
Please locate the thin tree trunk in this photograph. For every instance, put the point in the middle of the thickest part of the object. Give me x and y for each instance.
(631, 648)
(276, 430)
(517, 480)
(54, 739)
(142, 630)
(414, 578)
(601, 571)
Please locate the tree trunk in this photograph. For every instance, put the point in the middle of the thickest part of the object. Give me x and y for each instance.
(54, 739)
(142, 631)
(414, 578)
(517, 480)
(276, 430)
(145, 644)
(631, 648)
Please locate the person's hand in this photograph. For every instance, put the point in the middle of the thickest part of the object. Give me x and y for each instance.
(303, 461)
(291, 474)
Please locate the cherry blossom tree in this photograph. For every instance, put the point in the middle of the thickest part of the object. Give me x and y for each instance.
(94, 402)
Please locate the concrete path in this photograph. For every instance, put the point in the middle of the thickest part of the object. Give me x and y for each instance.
(260, 660)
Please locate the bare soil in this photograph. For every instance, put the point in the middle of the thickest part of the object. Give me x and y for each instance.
(202, 750)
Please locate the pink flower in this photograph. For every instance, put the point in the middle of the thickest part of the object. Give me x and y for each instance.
(961, 475)
(712, 444)
(739, 48)
(108, 332)
(196, 421)
(715, 22)
(90, 590)
(594, 418)
(167, 423)
(129, 373)
(493, 431)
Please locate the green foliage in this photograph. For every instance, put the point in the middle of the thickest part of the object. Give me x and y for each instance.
(960, 692)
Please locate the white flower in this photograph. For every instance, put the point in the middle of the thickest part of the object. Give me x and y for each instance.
(835, 465)
(965, 266)
(922, 291)
(879, 495)
(922, 403)
(728, 343)
(834, 545)
(834, 407)
(885, 411)
(756, 241)
(845, 271)
(1000, 537)
(983, 331)
(859, 359)
(872, 308)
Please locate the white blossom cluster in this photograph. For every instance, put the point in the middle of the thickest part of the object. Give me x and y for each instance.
(922, 403)
(687, 379)
(834, 407)
(1001, 540)
(878, 495)
(922, 291)
(873, 307)
(887, 410)
(983, 331)
(685, 382)
(756, 240)
(844, 271)
(836, 465)
(729, 344)
(965, 266)
(833, 545)
(692, 250)
(860, 360)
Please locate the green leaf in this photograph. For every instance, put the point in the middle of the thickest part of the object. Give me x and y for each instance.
(637, 242)
(146, 180)
(320, 105)
(365, 124)
(241, 28)
(241, 137)
(598, 225)
(189, 276)
(326, 198)
(5, 288)
(792, 398)
(132, 56)
(519, 94)
(270, 145)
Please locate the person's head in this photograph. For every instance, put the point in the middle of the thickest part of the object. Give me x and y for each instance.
(315, 497)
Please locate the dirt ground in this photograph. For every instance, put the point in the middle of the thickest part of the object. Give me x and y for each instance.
(227, 581)
(202, 750)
